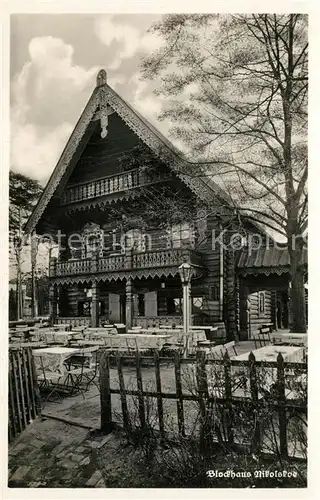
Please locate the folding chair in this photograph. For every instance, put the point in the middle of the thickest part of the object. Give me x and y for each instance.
(262, 336)
(81, 372)
(49, 380)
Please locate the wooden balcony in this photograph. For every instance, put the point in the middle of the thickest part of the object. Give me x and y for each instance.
(113, 184)
(130, 263)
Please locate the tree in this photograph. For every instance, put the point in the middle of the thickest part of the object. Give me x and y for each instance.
(23, 194)
(238, 99)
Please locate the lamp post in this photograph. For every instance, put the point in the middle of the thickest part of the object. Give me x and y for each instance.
(185, 271)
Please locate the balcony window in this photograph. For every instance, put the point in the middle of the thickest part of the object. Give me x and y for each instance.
(136, 240)
(181, 236)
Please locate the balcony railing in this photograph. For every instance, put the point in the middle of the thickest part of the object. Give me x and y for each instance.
(112, 184)
(129, 261)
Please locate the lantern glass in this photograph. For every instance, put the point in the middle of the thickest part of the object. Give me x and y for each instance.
(185, 272)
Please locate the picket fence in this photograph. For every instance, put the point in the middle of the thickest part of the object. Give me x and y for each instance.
(23, 395)
(280, 404)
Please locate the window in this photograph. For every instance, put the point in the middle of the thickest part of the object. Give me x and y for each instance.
(174, 305)
(181, 235)
(135, 240)
(141, 304)
(84, 308)
(261, 302)
(197, 304)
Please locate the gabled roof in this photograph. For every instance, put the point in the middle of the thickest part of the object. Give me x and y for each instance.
(103, 96)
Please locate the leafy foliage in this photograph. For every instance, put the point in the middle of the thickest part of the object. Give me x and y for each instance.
(237, 88)
(23, 194)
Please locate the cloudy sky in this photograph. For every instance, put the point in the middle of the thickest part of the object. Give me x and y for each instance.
(54, 61)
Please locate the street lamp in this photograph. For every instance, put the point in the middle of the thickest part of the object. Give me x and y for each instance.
(185, 271)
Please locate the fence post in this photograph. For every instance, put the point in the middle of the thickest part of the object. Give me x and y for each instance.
(159, 393)
(177, 371)
(202, 385)
(34, 379)
(282, 406)
(228, 396)
(22, 392)
(256, 441)
(105, 394)
(141, 408)
(123, 397)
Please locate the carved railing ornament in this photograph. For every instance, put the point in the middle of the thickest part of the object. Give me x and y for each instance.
(103, 107)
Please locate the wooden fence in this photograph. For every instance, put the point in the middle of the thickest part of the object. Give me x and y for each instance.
(279, 404)
(24, 401)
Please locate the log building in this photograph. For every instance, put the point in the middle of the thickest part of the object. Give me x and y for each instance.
(127, 209)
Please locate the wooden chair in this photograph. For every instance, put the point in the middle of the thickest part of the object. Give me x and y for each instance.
(50, 381)
(82, 371)
(262, 336)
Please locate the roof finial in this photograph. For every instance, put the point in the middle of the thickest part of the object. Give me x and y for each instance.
(101, 78)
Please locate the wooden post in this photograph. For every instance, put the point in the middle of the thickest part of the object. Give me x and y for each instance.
(202, 385)
(141, 407)
(12, 405)
(21, 389)
(53, 303)
(256, 440)
(34, 248)
(180, 414)
(95, 304)
(35, 393)
(159, 393)
(105, 394)
(274, 308)
(129, 304)
(228, 396)
(16, 390)
(26, 377)
(231, 320)
(123, 397)
(282, 406)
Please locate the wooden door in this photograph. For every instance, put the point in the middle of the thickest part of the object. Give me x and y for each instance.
(151, 304)
(114, 308)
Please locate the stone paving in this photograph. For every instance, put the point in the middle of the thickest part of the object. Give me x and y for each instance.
(53, 454)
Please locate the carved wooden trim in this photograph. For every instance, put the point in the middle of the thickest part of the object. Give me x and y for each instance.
(123, 275)
(103, 96)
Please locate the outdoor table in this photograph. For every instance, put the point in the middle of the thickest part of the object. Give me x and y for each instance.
(53, 358)
(289, 338)
(63, 326)
(34, 345)
(134, 341)
(267, 376)
(270, 353)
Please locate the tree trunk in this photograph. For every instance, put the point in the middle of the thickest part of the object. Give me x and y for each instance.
(297, 297)
(297, 292)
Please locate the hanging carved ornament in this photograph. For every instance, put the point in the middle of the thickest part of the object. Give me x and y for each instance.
(103, 106)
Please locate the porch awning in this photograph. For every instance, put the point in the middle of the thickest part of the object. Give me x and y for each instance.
(266, 260)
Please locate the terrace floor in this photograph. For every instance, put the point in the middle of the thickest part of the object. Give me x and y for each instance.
(63, 447)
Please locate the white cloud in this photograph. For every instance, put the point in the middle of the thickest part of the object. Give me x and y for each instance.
(130, 38)
(35, 154)
(48, 95)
